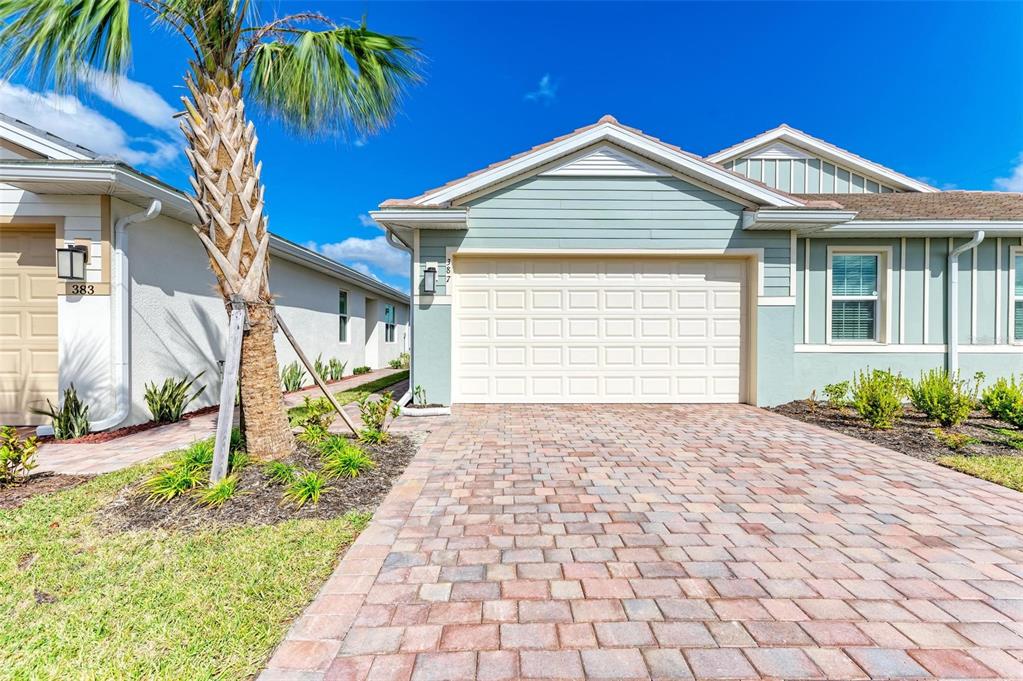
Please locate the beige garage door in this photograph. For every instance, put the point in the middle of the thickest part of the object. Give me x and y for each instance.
(598, 330)
(28, 323)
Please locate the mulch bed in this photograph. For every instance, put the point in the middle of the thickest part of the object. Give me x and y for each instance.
(259, 501)
(14, 495)
(912, 435)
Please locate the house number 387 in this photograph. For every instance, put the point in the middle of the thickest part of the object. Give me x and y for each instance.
(82, 289)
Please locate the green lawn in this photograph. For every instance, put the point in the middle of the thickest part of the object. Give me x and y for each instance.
(1004, 470)
(80, 602)
(355, 394)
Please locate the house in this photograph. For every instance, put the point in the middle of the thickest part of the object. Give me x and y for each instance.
(610, 266)
(146, 306)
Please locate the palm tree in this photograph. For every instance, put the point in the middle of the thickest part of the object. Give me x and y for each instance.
(316, 75)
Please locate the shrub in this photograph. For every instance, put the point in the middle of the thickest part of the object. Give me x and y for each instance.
(1013, 438)
(374, 415)
(278, 471)
(219, 492)
(17, 455)
(336, 369)
(1004, 399)
(292, 376)
(305, 488)
(191, 469)
(167, 402)
(359, 371)
(877, 396)
(314, 412)
(343, 458)
(955, 441)
(320, 367)
(71, 419)
(402, 361)
(837, 393)
(944, 397)
(420, 395)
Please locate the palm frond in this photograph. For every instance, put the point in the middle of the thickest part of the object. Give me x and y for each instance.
(59, 37)
(337, 79)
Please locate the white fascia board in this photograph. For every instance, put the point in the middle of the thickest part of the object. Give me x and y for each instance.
(418, 218)
(40, 144)
(932, 228)
(802, 221)
(825, 150)
(608, 132)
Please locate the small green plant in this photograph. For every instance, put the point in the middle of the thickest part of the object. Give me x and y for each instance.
(313, 434)
(71, 418)
(336, 369)
(292, 376)
(172, 482)
(374, 415)
(314, 412)
(420, 395)
(198, 455)
(343, 458)
(279, 472)
(17, 455)
(402, 361)
(305, 488)
(944, 397)
(320, 367)
(219, 492)
(877, 396)
(1004, 399)
(359, 371)
(955, 441)
(1013, 438)
(167, 402)
(837, 393)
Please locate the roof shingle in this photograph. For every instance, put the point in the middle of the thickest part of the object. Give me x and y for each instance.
(947, 205)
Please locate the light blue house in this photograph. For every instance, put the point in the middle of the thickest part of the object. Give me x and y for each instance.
(610, 266)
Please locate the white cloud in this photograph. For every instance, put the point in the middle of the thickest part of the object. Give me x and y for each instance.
(366, 221)
(545, 92)
(66, 116)
(361, 142)
(132, 97)
(364, 269)
(375, 253)
(1013, 183)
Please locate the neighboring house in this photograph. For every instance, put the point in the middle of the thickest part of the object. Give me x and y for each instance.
(609, 266)
(147, 307)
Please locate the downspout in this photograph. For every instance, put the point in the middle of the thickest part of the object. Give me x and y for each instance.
(393, 239)
(120, 362)
(953, 299)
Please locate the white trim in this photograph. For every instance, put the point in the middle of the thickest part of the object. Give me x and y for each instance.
(806, 290)
(792, 263)
(927, 290)
(1014, 252)
(658, 152)
(998, 290)
(779, 150)
(904, 349)
(776, 301)
(935, 228)
(902, 290)
(49, 146)
(417, 218)
(973, 296)
(605, 161)
(883, 321)
(804, 220)
(824, 149)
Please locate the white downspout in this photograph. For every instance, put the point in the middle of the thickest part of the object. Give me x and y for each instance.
(953, 299)
(393, 239)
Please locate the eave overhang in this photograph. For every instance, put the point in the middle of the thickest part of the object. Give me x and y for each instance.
(802, 221)
(420, 218)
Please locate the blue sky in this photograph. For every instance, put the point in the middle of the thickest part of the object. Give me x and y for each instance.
(932, 90)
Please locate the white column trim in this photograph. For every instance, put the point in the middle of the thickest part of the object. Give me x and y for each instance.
(927, 289)
(902, 290)
(973, 298)
(998, 290)
(792, 262)
(806, 290)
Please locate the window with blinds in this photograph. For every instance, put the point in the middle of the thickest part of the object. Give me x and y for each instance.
(1018, 302)
(855, 297)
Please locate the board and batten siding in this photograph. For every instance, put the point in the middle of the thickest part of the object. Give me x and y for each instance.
(613, 213)
(806, 176)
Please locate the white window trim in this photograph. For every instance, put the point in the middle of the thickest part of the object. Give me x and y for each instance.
(883, 325)
(347, 316)
(393, 328)
(1014, 252)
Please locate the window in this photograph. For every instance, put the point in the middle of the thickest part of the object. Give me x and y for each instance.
(1018, 297)
(855, 297)
(388, 323)
(342, 316)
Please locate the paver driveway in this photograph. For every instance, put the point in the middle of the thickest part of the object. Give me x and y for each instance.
(669, 542)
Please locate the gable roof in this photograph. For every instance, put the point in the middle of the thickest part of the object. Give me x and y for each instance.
(828, 151)
(605, 131)
(948, 205)
(41, 142)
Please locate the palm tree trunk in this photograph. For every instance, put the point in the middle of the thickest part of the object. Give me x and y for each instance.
(232, 226)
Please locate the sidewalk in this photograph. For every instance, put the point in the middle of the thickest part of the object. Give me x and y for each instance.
(104, 457)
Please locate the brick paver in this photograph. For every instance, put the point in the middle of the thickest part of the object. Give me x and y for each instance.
(715, 542)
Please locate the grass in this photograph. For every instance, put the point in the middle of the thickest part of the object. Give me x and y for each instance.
(355, 394)
(1003, 470)
(151, 604)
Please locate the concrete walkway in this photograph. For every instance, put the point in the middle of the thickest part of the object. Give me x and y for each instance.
(103, 457)
(639, 542)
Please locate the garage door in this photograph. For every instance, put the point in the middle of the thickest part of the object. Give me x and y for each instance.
(598, 330)
(28, 323)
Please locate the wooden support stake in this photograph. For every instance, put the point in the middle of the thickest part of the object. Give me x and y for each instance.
(228, 389)
(312, 372)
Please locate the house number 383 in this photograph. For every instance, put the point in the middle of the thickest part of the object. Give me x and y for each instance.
(82, 289)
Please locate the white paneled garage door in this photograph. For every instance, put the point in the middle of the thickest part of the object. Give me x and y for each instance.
(542, 329)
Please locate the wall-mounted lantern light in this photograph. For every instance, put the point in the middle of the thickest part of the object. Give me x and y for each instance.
(430, 280)
(71, 262)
